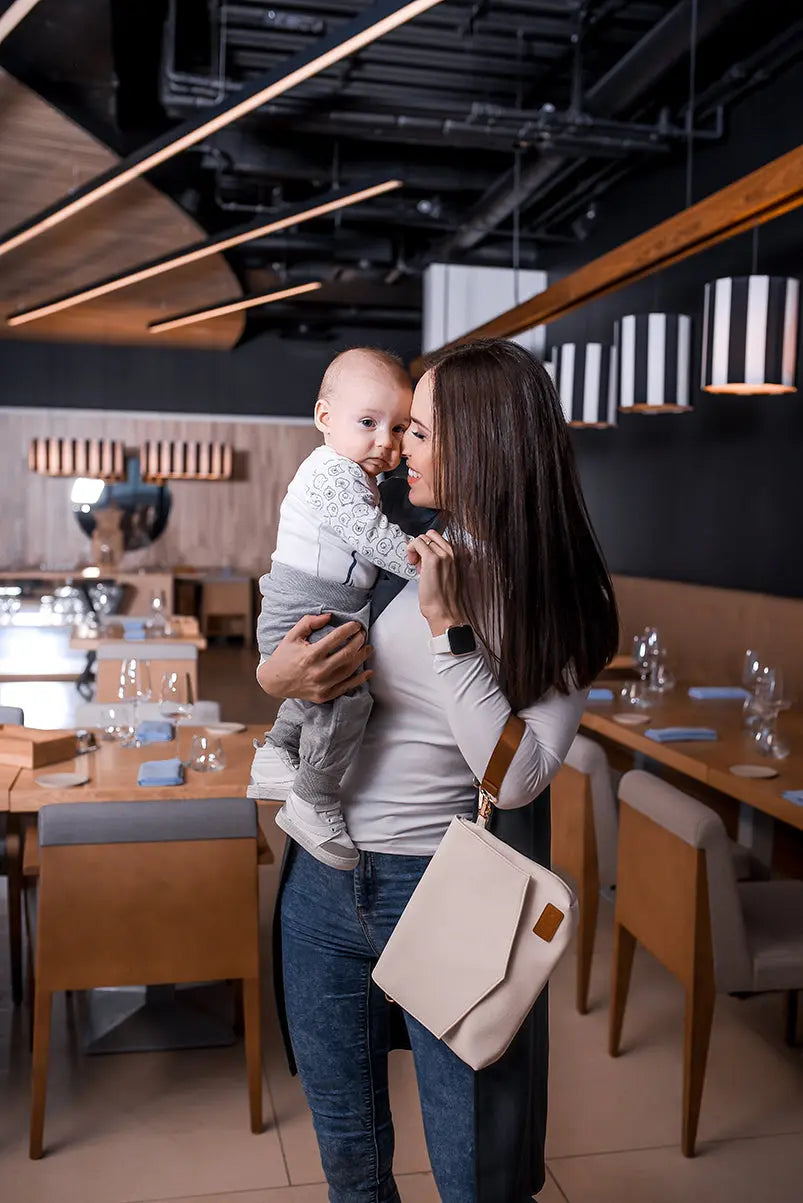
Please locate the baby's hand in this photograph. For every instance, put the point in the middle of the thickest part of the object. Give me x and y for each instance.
(412, 554)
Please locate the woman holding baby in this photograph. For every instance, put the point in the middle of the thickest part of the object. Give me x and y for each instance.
(512, 610)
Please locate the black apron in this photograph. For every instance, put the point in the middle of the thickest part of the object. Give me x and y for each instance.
(511, 1095)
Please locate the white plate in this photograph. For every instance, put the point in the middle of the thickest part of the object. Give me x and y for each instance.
(224, 728)
(631, 720)
(61, 780)
(753, 770)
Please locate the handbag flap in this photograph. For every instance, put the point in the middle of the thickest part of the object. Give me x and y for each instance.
(452, 944)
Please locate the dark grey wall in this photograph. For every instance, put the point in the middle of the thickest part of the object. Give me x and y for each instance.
(268, 375)
(713, 496)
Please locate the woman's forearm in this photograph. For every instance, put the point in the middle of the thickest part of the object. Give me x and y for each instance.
(477, 710)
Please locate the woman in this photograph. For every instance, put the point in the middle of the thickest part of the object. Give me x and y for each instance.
(514, 612)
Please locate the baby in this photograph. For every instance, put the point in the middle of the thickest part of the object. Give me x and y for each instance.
(332, 541)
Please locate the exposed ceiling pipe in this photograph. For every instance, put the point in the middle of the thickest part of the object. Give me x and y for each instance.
(656, 53)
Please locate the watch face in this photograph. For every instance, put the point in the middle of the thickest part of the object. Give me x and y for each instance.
(461, 640)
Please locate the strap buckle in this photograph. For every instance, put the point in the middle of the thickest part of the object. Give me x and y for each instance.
(485, 807)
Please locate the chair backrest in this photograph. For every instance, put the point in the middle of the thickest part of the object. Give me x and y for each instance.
(90, 714)
(689, 821)
(587, 757)
(146, 649)
(133, 892)
(12, 715)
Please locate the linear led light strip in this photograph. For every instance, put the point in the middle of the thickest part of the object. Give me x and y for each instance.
(203, 315)
(378, 20)
(329, 203)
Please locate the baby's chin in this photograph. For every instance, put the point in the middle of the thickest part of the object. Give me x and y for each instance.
(374, 468)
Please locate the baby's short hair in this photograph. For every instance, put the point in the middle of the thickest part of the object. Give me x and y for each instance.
(386, 360)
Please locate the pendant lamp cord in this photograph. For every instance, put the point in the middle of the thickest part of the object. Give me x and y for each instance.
(516, 226)
(691, 105)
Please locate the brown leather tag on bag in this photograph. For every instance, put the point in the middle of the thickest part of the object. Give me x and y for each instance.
(548, 923)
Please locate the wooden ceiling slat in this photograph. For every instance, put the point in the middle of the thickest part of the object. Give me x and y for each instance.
(44, 156)
(752, 200)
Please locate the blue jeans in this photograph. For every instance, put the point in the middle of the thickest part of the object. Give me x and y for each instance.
(334, 926)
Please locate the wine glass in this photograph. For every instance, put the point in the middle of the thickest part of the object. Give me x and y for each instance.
(768, 702)
(176, 695)
(642, 660)
(134, 687)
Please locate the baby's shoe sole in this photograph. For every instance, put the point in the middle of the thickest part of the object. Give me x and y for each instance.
(347, 861)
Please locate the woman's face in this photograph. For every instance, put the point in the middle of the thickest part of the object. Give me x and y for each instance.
(418, 446)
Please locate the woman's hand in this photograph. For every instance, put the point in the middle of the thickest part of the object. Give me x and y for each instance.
(320, 671)
(436, 580)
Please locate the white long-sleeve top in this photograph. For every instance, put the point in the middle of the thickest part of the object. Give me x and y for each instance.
(435, 722)
(331, 524)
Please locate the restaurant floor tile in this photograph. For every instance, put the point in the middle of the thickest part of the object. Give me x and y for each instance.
(173, 1127)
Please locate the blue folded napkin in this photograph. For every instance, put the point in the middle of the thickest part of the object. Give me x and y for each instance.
(718, 692)
(793, 795)
(600, 695)
(133, 628)
(155, 731)
(668, 735)
(160, 772)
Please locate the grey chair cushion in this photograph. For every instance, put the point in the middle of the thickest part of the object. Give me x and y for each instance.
(773, 918)
(147, 822)
(701, 827)
(12, 715)
(586, 756)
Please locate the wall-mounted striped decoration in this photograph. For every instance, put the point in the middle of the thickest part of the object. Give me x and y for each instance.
(100, 458)
(750, 335)
(654, 363)
(585, 377)
(179, 459)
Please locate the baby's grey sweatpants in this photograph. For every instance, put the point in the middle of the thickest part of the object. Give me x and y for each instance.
(320, 738)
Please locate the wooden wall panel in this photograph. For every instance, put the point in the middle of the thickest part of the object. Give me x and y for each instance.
(44, 155)
(707, 631)
(212, 524)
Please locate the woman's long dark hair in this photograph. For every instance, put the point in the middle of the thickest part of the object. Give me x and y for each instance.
(531, 578)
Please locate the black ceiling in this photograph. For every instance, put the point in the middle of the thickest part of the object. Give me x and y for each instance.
(502, 117)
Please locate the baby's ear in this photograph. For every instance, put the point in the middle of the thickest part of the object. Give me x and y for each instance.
(321, 415)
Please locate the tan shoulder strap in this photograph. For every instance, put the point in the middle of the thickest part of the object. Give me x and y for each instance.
(502, 755)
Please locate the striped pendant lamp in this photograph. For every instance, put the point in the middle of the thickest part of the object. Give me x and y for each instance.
(654, 363)
(585, 377)
(750, 335)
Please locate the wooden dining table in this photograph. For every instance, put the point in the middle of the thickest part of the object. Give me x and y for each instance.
(113, 772)
(709, 762)
(112, 777)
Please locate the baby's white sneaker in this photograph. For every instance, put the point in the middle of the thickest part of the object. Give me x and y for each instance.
(272, 774)
(321, 830)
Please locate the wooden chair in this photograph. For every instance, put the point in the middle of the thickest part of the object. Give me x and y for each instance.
(677, 895)
(9, 865)
(585, 833)
(146, 892)
(584, 837)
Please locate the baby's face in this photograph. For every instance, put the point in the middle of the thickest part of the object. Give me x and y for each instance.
(365, 418)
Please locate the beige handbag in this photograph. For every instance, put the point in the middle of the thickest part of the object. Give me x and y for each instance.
(481, 933)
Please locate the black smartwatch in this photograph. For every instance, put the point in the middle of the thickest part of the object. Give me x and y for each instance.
(459, 641)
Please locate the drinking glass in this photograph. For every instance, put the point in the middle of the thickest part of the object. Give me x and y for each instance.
(157, 622)
(206, 754)
(135, 687)
(115, 723)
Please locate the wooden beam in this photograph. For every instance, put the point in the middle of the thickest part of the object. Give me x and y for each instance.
(752, 200)
(15, 12)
